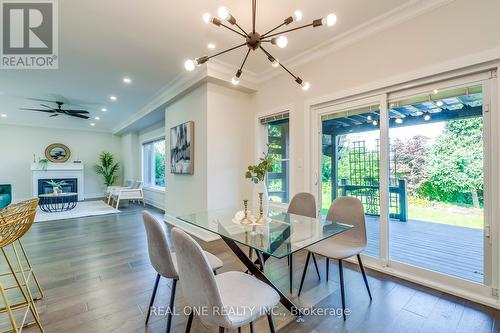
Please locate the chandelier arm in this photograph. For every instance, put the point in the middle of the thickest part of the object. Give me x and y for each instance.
(235, 31)
(254, 13)
(243, 30)
(286, 69)
(245, 60)
(225, 51)
(289, 30)
(279, 26)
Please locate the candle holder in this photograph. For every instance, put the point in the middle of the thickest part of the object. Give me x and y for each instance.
(261, 219)
(245, 219)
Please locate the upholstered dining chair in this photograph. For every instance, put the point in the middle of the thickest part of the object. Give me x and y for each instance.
(302, 204)
(165, 262)
(348, 244)
(231, 299)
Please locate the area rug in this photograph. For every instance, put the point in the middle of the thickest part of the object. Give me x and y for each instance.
(82, 209)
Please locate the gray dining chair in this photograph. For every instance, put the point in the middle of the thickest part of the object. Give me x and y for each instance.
(165, 262)
(230, 300)
(302, 204)
(348, 210)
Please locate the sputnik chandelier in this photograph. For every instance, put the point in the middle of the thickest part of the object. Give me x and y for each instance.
(255, 40)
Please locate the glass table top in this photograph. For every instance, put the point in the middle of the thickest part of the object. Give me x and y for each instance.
(282, 236)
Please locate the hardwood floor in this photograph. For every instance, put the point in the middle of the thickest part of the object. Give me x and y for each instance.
(97, 278)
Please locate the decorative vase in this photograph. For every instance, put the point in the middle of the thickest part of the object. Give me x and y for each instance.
(260, 188)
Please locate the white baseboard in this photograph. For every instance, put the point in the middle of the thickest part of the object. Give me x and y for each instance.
(155, 203)
(204, 235)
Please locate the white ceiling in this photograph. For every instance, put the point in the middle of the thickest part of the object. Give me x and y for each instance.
(102, 41)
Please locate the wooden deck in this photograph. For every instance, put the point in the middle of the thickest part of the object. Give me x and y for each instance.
(442, 248)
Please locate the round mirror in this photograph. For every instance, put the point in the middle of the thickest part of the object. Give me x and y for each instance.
(57, 153)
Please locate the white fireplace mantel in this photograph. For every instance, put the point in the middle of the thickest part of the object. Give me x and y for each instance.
(57, 171)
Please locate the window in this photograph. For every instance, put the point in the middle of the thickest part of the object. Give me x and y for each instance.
(153, 164)
(278, 138)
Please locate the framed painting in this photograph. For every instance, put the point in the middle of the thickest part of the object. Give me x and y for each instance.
(182, 149)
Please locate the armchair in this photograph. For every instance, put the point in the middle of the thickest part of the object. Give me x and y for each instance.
(133, 193)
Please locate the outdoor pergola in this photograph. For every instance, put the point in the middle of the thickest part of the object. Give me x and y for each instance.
(364, 164)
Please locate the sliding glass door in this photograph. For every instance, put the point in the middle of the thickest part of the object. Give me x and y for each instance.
(350, 155)
(419, 161)
(437, 163)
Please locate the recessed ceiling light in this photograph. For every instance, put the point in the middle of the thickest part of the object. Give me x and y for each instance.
(439, 103)
(211, 46)
(92, 124)
(3, 115)
(113, 98)
(97, 118)
(104, 109)
(127, 80)
(399, 120)
(435, 91)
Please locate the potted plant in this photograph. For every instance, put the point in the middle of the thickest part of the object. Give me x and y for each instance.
(56, 186)
(107, 168)
(257, 175)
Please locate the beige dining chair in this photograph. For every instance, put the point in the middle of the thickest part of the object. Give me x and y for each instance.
(303, 204)
(348, 210)
(165, 262)
(229, 300)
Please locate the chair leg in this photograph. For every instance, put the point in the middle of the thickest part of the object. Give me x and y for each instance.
(31, 269)
(171, 306)
(290, 271)
(10, 314)
(316, 265)
(364, 276)
(341, 275)
(327, 268)
(304, 272)
(152, 297)
(189, 323)
(117, 203)
(271, 324)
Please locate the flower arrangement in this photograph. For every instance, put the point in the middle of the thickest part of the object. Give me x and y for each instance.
(56, 184)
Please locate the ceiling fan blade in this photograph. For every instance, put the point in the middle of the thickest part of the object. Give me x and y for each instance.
(76, 111)
(46, 106)
(48, 111)
(54, 115)
(78, 116)
(40, 100)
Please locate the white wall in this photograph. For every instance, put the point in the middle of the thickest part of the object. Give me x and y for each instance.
(461, 28)
(230, 146)
(19, 143)
(131, 152)
(188, 193)
(154, 197)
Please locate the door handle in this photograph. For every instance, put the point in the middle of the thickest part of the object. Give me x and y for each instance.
(315, 177)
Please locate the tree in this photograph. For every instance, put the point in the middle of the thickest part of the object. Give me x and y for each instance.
(410, 157)
(455, 163)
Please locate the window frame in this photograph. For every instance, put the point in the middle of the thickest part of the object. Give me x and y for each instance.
(152, 176)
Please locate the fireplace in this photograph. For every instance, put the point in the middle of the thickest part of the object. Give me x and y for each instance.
(71, 185)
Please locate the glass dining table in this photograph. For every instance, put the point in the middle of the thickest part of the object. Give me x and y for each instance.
(283, 235)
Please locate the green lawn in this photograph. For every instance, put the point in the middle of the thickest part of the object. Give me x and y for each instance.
(435, 212)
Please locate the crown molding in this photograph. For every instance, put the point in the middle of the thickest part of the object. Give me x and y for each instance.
(215, 71)
(58, 127)
(380, 23)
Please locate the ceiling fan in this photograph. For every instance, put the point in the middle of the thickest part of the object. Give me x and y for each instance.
(56, 111)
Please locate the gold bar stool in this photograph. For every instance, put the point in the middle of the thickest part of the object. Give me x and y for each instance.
(15, 221)
(27, 205)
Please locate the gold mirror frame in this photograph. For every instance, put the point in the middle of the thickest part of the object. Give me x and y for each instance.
(48, 150)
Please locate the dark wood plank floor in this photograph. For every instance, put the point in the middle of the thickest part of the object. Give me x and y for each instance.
(97, 278)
